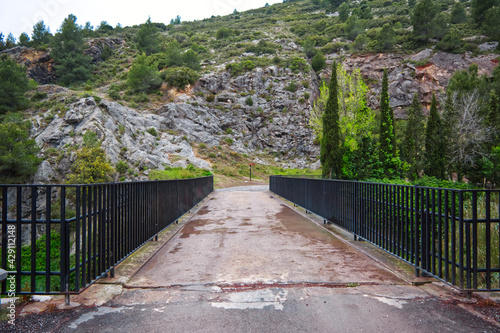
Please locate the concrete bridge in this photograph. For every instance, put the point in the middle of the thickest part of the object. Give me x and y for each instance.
(247, 261)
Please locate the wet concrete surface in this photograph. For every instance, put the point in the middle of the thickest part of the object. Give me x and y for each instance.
(249, 237)
(246, 262)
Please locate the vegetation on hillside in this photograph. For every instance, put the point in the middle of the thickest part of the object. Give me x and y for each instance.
(297, 35)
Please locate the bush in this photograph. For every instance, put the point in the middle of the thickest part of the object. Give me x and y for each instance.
(152, 131)
(38, 96)
(291, 87)
(262, 47)
(318, 62)
(298, 65)
(143, 77)
(121, 167)
(223, 33)
(180, 77)
(249, 101)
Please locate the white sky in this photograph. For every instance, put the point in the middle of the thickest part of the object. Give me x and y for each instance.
(18, 16)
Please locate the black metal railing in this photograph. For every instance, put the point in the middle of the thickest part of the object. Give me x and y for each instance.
(59, 239)
(453, 235)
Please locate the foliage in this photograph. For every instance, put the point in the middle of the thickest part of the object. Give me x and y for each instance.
(331, 157)
(67, 51)
(143, 77)
(318, 62)
(490, 24)
(223, 33)
(147, 38)
(390, 164)
(249, 101)
(458, 14)
(180, 77)
(450, 43)
(262, 47)
(298, 65)
(91, 164)
(24, 39)
(422, 19)
(41, 34)
(190, 59)
(13, 85)
(344, 12)
(413, 141)
(480, 7)
(18, 152)
(434, 144)
(179, 173)
(385, 38)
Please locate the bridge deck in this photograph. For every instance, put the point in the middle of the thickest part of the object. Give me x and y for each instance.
(242, 237)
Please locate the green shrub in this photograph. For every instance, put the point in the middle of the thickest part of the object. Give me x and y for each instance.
(318, 62)
(38, 96)
(143, 77)
(224, 33)
(291, 87)
(298, 65)
(180, 77)
(249, 101)
(121, 167)
(152, 131)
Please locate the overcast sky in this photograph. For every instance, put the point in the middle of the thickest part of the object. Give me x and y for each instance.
(18, 16)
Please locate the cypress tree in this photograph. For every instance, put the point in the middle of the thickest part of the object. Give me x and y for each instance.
(387, 153)
(434, 144)
(494, 118)
(331, 155)
(413, 141)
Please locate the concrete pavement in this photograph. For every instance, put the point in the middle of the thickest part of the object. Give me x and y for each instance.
(247, 262)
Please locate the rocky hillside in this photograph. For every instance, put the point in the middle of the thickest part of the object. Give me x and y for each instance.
(261, 113)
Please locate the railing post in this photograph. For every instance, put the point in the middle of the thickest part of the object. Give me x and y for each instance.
(157, 208)
(416, 233)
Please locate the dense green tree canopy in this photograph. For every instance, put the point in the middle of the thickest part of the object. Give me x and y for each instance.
(331, 155)
(13, 85)
(67, 51)
(147, 38)
(18, 159)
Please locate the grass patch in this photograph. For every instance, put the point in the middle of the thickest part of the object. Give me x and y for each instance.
(179, 173)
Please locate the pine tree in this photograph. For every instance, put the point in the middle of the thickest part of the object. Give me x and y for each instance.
(147, 38)
(480, 7)
(413, 141)
(40, 35)
(72, 66)
(331, 154)
(434, 144)
(422, 19)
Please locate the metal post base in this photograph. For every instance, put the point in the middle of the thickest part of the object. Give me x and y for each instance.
(66, 299)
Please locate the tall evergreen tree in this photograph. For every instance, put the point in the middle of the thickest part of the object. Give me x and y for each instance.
(494, 118)
(480, 7)
(147, 38)
(331, 154)
(13, 85)
(413, 141)
(41, 34)
(388, 159)
(434, 144)
(72, 66)
(422, 19)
